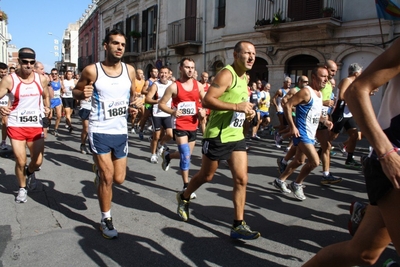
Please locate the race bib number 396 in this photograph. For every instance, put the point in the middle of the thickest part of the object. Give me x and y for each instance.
(117, 108)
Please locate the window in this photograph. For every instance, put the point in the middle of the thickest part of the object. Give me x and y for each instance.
(220, 13)
(119, 26)
(132, 24)
(304, 9)
(149, 28)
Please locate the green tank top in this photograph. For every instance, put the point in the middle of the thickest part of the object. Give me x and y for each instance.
(228, 125)
(327, 91)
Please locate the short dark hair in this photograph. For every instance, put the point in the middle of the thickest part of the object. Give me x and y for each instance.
(26, 50)
(54, 69)
(113, 32)
(3, 66)
(184, 59)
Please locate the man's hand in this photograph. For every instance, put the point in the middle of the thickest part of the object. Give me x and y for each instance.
(5, 111)
(88, 91)
(245, 107)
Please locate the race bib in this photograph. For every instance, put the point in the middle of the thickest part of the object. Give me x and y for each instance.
(324, 111)
(187, 108)
(315, 119)
(4, 102)
(237, 120)
(57, 94)
(28, 117)
(116, 108)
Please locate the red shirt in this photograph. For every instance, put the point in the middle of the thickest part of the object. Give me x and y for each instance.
(188, 103)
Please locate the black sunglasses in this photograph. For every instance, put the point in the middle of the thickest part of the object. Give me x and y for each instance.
(26, 62)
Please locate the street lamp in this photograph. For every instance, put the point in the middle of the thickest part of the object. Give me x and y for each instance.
(57, 47)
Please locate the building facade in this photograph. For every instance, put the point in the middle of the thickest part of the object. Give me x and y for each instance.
(291, 36)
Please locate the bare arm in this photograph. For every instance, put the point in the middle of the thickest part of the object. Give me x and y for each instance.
(343, 85)
(84, 87)
(169, 93)
(145, 87)
(277, 94)
(380, 71)
(46, 96)
(221, 83)
(150, 94)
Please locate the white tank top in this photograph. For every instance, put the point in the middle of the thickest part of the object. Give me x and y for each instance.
(110, 102)
(68, 86)
(160, 92)
(27, 108)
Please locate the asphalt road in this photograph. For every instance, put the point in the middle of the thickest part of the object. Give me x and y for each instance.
(58, 226)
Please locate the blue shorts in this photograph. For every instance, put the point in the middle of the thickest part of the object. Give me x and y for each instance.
(55, 102)
(264, 114)
(105, 143)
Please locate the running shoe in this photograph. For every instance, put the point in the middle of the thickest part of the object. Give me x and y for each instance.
(141, 135)
(3, 145)
(22, 196)
(31, 182)
(84, 149)
(243, 231)
(107, 228)
(70, 129)
(154, 159)
(353, 164)
(133, 131)
(161, 149)
(192, 195)
(166, 160)
(297, 191)
(255, 137)
(357, 211)
(330, 179)
(342, 147)
(282, 186)
(281, 166)
(183, 207)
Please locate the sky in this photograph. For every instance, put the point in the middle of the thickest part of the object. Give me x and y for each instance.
(30, 21)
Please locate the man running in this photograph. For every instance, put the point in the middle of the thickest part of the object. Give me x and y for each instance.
(308, 103)
(227, 98)
(25, 126)
(160, 118)
(186, 93)
(111, 86)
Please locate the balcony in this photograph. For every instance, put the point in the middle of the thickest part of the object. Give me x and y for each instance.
(316, 17)
(84, 61)
(185, 35)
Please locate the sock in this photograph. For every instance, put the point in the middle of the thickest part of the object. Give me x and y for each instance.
(296, 184)
(106, 214)
(236, 223)
(184, 198)
(284, 161)
(350, 156)
(28, 172)
(325, 173)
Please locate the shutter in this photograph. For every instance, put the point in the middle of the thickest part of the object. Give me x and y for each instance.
(304, 9)
(128, 37)
(144, 30)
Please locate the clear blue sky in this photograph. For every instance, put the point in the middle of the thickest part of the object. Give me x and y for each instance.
(30, 21)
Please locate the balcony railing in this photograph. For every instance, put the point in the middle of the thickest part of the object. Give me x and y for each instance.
(279, 11)
(184, 31)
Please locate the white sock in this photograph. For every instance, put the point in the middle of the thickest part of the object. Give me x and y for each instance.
(326, 173)
(284, 161)
(106, 214)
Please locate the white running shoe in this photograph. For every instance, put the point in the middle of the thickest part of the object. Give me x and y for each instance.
(22, 196)
(154, 159)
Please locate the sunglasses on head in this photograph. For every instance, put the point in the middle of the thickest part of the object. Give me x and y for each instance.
(26, 62)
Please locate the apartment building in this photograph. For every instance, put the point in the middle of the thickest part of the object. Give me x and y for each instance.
(291, 36)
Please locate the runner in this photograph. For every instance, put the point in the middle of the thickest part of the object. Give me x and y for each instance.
(111, 86)
(25, 126)
(227, 98)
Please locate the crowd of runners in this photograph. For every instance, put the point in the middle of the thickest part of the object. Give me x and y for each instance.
(115, 99)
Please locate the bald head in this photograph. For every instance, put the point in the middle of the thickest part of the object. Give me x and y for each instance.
(331, 66)
(39, 68)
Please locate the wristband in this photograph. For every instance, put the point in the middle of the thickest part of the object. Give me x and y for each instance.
(394, 149)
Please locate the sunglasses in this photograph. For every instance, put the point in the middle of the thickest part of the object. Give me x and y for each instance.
(26, 62)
